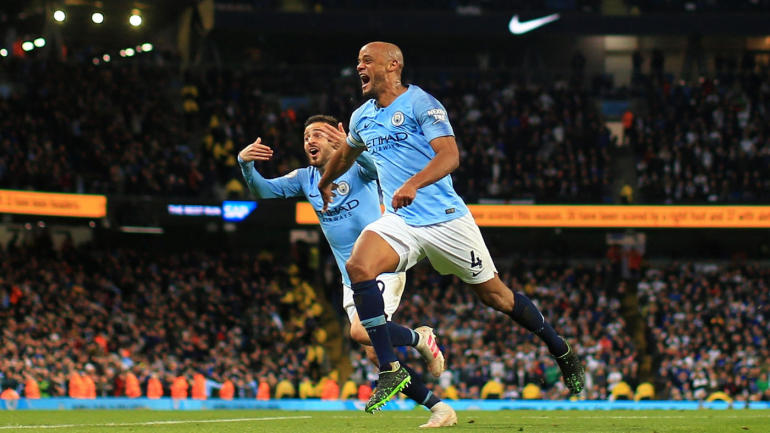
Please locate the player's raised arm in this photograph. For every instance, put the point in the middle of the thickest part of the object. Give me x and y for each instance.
(286, 186)
(339, 138)
(340, 162)
(446, 160)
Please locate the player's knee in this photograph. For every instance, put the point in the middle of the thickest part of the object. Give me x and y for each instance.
(358, 271)
(496, 298)
(496, 301)
(359, 335)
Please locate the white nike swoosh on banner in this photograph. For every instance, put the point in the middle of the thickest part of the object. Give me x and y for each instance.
(519, 28)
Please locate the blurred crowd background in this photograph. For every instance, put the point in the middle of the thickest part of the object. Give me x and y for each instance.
(141, 129)
(116, 317)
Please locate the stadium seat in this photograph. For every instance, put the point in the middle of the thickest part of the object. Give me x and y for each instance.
(133, 389)
(719, 395)
(645, 391)
(306, 389)
(532, 392)
(450, 393)
(330, 390)
(349, 390)
(31, 389)
(227, 391)
(75, 387)
(179, 388)
(9, 394)
(364, 392)
(263, 391)
(492, 390)
(154, 387)
(199, 387)
(622, 391)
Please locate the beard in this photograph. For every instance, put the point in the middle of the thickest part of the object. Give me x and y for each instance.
(371, 92)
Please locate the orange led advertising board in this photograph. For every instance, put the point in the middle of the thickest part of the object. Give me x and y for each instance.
(53, 204)
(603, 216)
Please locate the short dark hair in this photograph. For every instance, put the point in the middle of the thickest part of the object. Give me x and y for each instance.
(325, 118)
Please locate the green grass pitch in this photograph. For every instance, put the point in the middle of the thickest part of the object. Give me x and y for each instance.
(91, 421)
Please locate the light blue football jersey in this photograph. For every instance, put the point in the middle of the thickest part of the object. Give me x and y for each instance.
(398, 137)
(355, 205)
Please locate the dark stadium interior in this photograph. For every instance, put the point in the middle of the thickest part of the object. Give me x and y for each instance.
(560, 118)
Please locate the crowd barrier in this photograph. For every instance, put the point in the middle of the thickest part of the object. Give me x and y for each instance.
(326, 405)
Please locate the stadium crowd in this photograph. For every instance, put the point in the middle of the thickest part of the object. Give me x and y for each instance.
(88, 322)
(709, 326)
(704, 143)
(141, 130)
(68, 128)
(79, 321)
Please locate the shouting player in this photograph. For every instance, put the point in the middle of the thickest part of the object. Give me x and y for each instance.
(342, 222)
(407, 132)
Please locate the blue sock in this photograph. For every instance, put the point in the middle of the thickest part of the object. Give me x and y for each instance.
(526, 314)
(371, 311)
(401, 335)
(417, 391)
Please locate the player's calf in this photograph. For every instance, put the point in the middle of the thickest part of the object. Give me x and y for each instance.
(400, 335)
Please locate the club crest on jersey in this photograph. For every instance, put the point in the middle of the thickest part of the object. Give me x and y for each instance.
(397, 119)
(343, 188)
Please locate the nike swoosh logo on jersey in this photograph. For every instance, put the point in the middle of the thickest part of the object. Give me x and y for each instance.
(473, 274)
(519, 28)
(313, 196)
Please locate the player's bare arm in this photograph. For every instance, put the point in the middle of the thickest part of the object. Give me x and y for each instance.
(340, 162)
(256, 151)
(447, 159)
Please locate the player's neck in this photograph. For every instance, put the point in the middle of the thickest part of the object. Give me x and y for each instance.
(388, 96)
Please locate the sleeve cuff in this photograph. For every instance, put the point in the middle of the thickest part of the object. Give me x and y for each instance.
(355, 144)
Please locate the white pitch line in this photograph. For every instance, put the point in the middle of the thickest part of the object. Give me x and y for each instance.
(129, 424)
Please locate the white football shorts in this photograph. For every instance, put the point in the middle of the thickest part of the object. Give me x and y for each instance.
(453, 247)
(391, 286)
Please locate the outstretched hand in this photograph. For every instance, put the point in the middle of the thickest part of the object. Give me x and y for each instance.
(256, 151)
(337, 136)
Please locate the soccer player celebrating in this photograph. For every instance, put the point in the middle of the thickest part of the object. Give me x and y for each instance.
(407, 132)
(359, 205)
